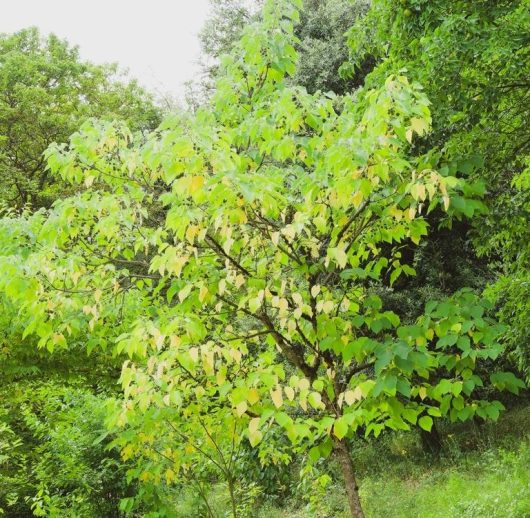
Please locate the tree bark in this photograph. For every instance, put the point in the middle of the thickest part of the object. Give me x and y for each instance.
(431, 441)
(352, 491)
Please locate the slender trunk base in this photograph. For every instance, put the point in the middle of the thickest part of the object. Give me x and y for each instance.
(232, 496)
(352, 491)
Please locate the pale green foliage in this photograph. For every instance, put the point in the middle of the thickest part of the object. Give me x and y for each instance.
(230, 257)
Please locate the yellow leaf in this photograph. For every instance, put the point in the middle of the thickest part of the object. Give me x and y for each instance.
(194, 354)
(289, 392)
(297, 298)
(75, 277)
(341, 257)
(357, 199)
(170, 475)
(127, 452)
(431, 190)
(422, 393)
(240, 280)
(253, 425)
(398, 214)
(291, 324)
(158, 339)
(202, 293)
(196, 183)
(208, 361)
(351, 396)
(289, 232)
(315, 290)
(303, 384)
(420, 126)
(176, 264)
(277, 397)
(255, 438)
(241, 408)
(236, 355)
(89, 180)
(228, 245)
(191, 232)
(253, 396)
(328, 306)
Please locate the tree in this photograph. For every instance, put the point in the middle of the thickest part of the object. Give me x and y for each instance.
(321, 43)
(473, 59)
(231, 257)
(511, 243)
(47, 92)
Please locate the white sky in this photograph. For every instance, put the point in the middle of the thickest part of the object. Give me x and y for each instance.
(155, 39)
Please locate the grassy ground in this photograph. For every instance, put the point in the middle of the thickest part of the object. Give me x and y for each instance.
(484, 472)
(495, 483)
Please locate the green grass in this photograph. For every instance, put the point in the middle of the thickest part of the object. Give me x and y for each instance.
(494, 484)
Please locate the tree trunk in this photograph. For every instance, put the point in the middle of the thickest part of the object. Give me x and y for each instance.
(352, 491)
(232, 496)
(431, 441)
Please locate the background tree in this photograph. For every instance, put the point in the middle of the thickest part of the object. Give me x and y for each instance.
(321, 43)
(47, 92)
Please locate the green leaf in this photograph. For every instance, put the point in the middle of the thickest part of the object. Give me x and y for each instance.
(340, 428)
(425, 423)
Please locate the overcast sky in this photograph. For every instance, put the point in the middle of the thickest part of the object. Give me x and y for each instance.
(155, 39)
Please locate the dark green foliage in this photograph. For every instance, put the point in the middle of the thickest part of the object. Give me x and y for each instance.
(322, 45)
(473, 58)
(321, 32)
(53, 455)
